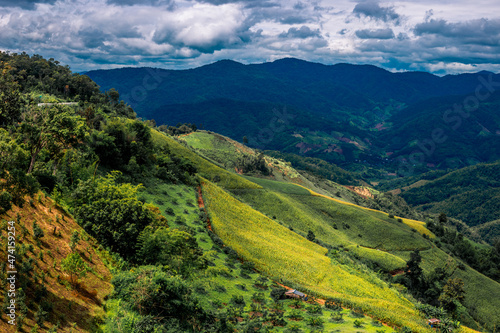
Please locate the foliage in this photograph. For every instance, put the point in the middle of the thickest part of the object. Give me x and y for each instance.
(112, 213)
(171, 248)
(75, 238)
(453, 295)
(9, 95)
(470, 194)
(204, 167)
(150, 291)
(5, 202)
(74, 265)
(54, 128)
(37, 231)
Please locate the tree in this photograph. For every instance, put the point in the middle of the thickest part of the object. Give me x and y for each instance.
(442, 218)
(53, 128)
(112, 213)
(310, 236)
(413, 271)
(453, 296)
(10, 107)
(75, 238)
(169, 247)
(12, 156)
(151, 291)
(74, 265)
(37, 231)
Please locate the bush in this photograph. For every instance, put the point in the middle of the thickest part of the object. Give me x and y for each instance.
(37, 231)
(238, 301)
(330, 304)
(315, 321)
(295, 314)
(232, 254)
(277, 294)
(336, 317)
(315, 309)
(5, 202)
(358, 323)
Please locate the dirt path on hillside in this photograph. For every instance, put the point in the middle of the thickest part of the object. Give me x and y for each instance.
(201, 205)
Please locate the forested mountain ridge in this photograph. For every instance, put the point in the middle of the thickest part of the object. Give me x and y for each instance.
(361, 117)
(200, 247)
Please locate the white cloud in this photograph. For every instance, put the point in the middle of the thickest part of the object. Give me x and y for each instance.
(440, 37)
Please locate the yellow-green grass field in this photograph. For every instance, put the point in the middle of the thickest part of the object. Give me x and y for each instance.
(284, 255)
(333, 223)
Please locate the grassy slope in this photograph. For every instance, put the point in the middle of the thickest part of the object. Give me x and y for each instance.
(285, 255)
(205, 168)
(335, 222)
(77, 311)
(226, 278)
(286, 191)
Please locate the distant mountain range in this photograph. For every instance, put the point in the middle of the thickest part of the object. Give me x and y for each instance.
(361, 117)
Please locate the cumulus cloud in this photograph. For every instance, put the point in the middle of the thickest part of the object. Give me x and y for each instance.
(373, 10)
(203, 28)
(375, 34)
(302, 32)
(480, 31)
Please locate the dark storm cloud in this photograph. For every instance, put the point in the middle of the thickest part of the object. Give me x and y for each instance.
(479, 31)
(375, 34)
(93, 38)
(373, 10)
(302, 32)
(24, 4)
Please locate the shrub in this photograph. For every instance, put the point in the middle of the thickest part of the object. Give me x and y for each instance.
(358, 323)
(5, 202)
(336, 317)
(259, 298)
(37, 231)
(315, 321)
(357, 313)
(277, 294)
(238, 301)
(230, 252)
(295, 314)
(330, 304)
(315, 309)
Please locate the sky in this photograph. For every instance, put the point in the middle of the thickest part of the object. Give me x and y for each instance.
(441, 37)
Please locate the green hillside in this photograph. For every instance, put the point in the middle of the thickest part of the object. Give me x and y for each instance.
(121, 227)
(284, 255)
(471, 194)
